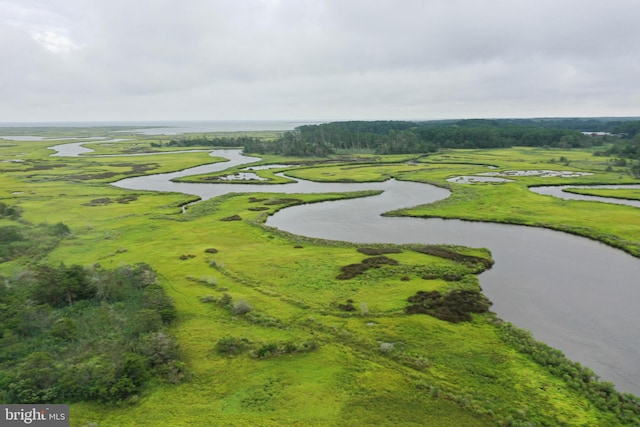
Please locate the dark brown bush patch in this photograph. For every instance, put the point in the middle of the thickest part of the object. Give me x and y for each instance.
(347, 306)
(379, 251)
(88, 176)
(127, 199)
(99, 202)
(211, 250)
(445, 253)
(232, 218)
(108, 200)
(256, 199)
(352, 270)
(283, 201)
(259, 208)
(377, 261)
(135, 170)
(455, 306)
(186, 257)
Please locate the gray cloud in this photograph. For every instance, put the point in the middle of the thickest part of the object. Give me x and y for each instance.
(332, 59)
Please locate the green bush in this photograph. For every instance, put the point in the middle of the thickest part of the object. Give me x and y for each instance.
(62, 285)
(232, 346)
(26, 239)
(157, 300)
(241, 307)
(10, 212)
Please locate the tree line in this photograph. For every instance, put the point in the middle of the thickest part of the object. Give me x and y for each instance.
(402, 137)
(205, 141)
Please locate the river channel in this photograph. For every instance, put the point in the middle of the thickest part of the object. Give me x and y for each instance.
(575, 294)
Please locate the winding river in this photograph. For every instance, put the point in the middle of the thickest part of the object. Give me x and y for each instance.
(558, 191)
(575, 294)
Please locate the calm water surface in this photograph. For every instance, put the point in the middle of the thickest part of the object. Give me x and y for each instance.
(558, 191)
(575, 294)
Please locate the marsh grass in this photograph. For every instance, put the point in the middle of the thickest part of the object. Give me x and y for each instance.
(438, 373)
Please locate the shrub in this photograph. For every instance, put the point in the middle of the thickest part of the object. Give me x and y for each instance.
(156, 299)
(11, 212)
(266, 350)
(62, 286)
(225, 300)
(263, 320)
(309, 346)
(283, 201)
(377, 261)
(454, 306)
(159, 348)
(209, 281)
(60, 230)
(347, 306)
(443, 252)
(379, 251)
(241, 307)
(274, 349)
(232, 346)
(352, 270)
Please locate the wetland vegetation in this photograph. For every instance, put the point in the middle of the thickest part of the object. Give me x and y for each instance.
(236, 323)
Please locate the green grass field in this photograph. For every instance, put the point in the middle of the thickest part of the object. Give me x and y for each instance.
(374, 365)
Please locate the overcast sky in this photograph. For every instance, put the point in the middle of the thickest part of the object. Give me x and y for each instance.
(72, 60)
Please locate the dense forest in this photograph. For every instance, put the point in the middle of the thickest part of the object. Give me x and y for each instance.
(69, 333)
(401, 137)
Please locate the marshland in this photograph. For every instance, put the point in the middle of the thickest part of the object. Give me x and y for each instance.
(347, 285)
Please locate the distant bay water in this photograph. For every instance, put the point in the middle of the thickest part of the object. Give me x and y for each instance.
(175, 127)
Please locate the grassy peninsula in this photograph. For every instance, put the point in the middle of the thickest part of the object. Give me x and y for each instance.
(274, 329)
